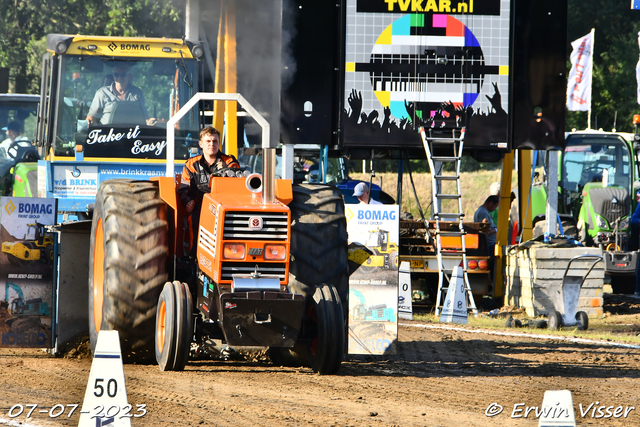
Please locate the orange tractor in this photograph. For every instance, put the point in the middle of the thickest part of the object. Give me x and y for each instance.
(271, 268)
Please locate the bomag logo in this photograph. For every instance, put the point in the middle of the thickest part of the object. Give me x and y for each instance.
(349, 214)
(35, 208)
(10, 207)
(377, 215)
(130, 46)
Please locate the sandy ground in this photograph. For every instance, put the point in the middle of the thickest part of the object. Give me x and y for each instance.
(442, 374)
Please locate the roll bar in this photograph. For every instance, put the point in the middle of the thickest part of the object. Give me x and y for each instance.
(268, 163)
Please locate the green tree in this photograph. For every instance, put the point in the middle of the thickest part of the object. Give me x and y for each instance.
(25, 24)
(614, 85)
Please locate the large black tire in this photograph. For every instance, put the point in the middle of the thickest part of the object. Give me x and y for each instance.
(174, 326)
(127, 264)
(318, 255)
(318, 240)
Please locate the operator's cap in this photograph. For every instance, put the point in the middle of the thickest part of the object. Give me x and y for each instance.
(14, 126)
(360, 189)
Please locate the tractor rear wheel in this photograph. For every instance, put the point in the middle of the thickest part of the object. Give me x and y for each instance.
(318, 240)
(325, 350)
(318, 257)
(127, 264)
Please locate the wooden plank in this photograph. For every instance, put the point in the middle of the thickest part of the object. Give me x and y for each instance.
(544, 291)
(561, 264)
(545, 274)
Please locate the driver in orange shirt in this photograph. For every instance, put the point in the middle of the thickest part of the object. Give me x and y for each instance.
(197, 173)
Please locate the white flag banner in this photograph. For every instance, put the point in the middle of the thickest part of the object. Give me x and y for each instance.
(579, 86)
(638, 71)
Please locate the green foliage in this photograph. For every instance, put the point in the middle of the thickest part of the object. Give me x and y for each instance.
(616, 55)
(25, 25)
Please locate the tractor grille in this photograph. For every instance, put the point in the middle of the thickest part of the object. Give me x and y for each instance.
(274, 226)
(603, 199)
(276, 269)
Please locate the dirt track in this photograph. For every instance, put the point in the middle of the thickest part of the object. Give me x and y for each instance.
(440, 376)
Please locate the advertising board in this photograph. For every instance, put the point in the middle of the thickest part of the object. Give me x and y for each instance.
(373, 284)
(26, 267)
(438, 64)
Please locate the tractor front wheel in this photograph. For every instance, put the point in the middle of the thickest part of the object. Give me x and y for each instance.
(174, 326)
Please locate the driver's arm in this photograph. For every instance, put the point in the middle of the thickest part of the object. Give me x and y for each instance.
(230, 161)
(97, 107)
(187, 190)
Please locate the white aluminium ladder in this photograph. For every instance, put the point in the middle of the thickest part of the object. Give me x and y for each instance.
(447, 149)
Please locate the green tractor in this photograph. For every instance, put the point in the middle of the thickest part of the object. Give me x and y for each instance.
(18, 159)
(596, 195)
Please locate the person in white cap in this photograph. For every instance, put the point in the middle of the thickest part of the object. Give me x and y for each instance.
(361, 192)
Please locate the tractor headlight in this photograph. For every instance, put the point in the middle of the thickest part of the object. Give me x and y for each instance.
(233, 251)
(275, 252)
(624, 224)
(601, 222)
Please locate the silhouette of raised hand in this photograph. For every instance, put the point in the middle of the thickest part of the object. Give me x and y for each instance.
(496, 100)
(373, 117)
(449, 108)
(355, 101)
(387, 117)
(410, 107)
